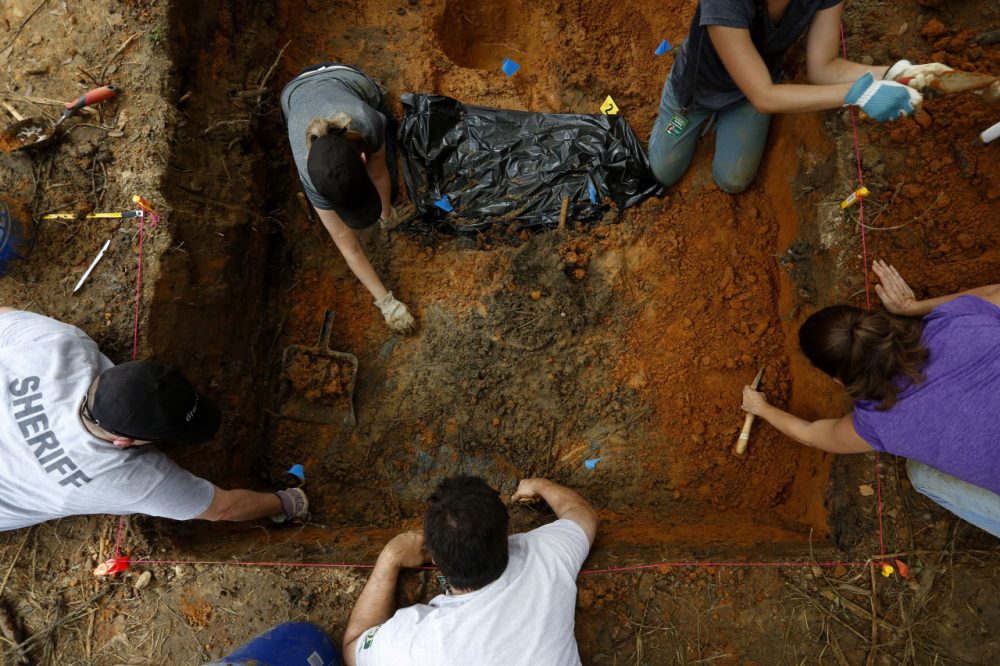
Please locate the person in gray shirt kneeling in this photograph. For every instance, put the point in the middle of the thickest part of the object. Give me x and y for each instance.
(337, 127)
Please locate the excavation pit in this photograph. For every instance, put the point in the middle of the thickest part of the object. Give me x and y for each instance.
(610, 359)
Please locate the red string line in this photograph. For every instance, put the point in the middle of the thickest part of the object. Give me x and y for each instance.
(878, 479)
(861, 183)
(633, 567)
(153, 220)
(878, 495)
(868, 300)
(730, 565)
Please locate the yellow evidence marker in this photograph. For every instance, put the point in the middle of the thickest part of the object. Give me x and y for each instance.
(609, 108)
(853, 197)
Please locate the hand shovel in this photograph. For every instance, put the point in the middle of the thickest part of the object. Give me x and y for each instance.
(955, 82)
(39, 132)
(317, 383)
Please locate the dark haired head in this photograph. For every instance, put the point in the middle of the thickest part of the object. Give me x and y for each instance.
(874, 354)
(466, 531)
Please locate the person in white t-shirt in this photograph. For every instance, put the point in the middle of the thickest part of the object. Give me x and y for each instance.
(510, 600)
(74, 429)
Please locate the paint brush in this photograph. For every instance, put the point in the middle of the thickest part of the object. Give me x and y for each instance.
(744, 438)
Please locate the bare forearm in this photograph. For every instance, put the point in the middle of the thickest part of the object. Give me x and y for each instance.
(363, 270)
(238, 505)
(560, 498)
(796, 98)
(377, 601)
(347, 242)
(990, 292)
(839, 70)
(787, 424)
(831, 435)
(380, 178)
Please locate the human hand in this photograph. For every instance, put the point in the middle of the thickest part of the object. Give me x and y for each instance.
(407, 550)
(753, 401)
(397, 215)
(396, 316)
(895, 294)
(915, 76)
(527, 491)
(294, 504)
(882, 100)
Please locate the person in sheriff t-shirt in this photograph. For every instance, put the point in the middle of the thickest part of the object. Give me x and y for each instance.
(75, 430)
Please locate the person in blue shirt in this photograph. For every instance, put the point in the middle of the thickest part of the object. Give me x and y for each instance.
(727, 75)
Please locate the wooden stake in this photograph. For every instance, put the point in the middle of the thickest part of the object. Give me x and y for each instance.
(12, 111)
(744, 438)
(563, 213)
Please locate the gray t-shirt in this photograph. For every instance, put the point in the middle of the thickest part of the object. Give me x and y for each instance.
(320, 94)
(699, 78)
(50, 465)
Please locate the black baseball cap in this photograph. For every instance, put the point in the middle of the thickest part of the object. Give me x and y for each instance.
(338, 173)
(152, 401)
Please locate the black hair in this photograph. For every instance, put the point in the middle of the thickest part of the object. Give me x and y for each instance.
(466, 532)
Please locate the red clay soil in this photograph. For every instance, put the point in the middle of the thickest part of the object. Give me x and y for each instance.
(676, 304)
(634, 340)
(937, 216)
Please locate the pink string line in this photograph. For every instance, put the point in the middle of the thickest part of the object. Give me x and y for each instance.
(633, 567)
(878, 481)
(730, 565)
(868, 300)
(861, 183)
(135, 333)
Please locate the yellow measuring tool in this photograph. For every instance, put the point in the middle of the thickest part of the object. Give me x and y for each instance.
(94, 216)
(145, 208)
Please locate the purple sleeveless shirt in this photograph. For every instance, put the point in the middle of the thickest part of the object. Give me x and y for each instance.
(951, 421)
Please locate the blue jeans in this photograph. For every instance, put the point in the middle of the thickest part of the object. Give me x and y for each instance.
(740, 135)
(971, 503)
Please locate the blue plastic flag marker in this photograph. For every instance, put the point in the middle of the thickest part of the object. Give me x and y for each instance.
(592, 191)
(297, 470)
(444, 204)
(662, 48)
(591, 464)
(509, 67)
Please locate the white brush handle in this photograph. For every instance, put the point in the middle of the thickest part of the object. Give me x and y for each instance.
(990, 134)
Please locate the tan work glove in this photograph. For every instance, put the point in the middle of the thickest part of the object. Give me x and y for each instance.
(915, 76)
(396, 316)
(294, 505)
(397, 215)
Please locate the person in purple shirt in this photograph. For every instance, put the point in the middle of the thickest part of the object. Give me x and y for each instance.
(926, 389)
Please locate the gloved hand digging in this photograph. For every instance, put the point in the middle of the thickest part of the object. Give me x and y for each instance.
(397, 215)
(915, 76)
(294, 504)
(396, 316)
(882, 100)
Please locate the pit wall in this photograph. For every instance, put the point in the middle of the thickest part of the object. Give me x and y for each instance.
(221, 287)
(207, 310)
(797, 176)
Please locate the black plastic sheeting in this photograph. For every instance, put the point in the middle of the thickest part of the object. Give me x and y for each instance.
(514, 167)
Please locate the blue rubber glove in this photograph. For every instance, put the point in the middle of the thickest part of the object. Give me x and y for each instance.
(882, 100)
